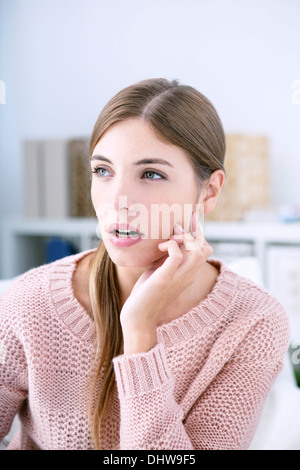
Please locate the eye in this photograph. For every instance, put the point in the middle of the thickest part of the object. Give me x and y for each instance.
(153, 175)
(100, 171)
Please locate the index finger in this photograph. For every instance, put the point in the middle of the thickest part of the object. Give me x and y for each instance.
(197, 229)
(174, 259)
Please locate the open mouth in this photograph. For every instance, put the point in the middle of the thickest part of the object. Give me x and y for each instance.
(126, 233)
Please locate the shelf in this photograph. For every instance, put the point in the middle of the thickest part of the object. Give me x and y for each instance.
(254, 232)
(276, 247)
(22, 238)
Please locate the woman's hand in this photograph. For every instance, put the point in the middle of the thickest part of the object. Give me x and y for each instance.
(159, 286)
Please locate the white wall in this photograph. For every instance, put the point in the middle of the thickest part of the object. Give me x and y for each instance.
(62, 60)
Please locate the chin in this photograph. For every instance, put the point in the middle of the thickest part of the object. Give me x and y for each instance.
(134, 257)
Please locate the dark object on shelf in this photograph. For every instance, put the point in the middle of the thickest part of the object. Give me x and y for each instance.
(57, 248)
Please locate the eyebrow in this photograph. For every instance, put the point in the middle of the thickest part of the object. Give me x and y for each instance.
(144, 161)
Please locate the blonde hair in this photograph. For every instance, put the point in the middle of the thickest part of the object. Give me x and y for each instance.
(182, 116)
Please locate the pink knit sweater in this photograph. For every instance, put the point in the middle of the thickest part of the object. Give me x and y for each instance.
(203, 386)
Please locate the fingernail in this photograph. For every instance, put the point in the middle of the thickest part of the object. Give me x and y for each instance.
(178, 229)
(193, 223)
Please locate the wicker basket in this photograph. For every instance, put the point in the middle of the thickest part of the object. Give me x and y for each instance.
(247, 181)
(80, 178)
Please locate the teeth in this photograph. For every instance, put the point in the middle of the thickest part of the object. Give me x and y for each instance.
(125, 233)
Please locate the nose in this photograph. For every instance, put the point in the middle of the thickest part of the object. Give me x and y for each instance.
(120, 201)
(121, 195)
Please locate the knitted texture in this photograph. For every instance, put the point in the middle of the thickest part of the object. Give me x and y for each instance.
(203, 386)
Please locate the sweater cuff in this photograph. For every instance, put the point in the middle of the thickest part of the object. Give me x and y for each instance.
(142, 373)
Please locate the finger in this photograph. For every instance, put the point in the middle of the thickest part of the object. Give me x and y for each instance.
(171, 246)
(175, 256)
(195, 234)
(190, 243)
(178, 234)
(178, 239)
(194, 259)
(196, 227)
(203, 253)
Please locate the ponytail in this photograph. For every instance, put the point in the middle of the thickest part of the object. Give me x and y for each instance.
(106, 307)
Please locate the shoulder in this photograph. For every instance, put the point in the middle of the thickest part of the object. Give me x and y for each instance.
(247, 289)
(242, 289)
(250, 302)
(262, 317)
(258, 299)
(34, 287)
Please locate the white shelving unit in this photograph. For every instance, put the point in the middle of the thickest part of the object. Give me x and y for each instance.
(254, 239)
(276, 246)
(22, 242)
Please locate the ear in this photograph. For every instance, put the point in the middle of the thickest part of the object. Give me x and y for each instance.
(212, 190)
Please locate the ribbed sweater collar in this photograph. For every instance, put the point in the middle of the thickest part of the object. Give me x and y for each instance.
(80, 323)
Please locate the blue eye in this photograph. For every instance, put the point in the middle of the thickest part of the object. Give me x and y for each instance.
(152, 175)
(149, 174)
(100, 171)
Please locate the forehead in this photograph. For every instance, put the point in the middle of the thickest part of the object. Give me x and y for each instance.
(134, 138)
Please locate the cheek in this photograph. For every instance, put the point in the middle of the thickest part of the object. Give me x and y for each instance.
(93, 195)
(105, 212)
(156, 220)
(162, 223)
(164, 217)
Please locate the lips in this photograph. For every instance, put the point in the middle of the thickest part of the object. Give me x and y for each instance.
(123, 235)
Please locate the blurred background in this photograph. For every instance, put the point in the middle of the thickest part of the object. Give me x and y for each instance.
(62, 60)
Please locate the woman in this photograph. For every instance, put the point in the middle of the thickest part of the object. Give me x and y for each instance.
(144, 343)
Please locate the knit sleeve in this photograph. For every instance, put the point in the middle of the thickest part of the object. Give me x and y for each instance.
(150, 416)
(223, 416)
(13, 367)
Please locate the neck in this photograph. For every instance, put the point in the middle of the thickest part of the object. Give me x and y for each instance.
(203, 284)
(127, 277)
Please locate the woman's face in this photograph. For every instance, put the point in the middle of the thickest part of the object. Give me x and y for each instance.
(142, 185)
